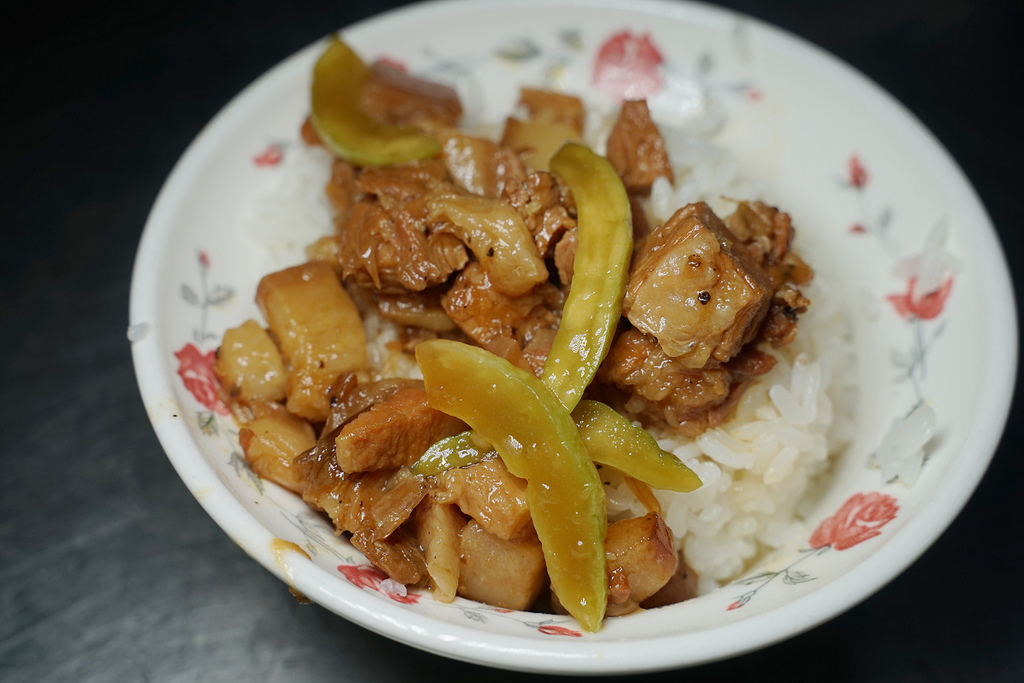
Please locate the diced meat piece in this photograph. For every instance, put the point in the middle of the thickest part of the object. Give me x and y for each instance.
(565, 256)
(438, 527)
(780, 324)
(272, 441)
(370, 504)
(644, 550)
(477, 165)
(500, 323)
(636, 149)
(392, 95)
(416, 309)
(308, 133)
(403, 182)
(348, 397)
(507, 574)
(767, 233)
(318, 329)
(341, 190)
(497, 236)
(347, 499)
(682, 586)
(249, 365)
(693, 288)
(551, 106)
(395, 251)
(554, 118)
(392, 433)
(488, 493)
(399, 556)
(545, 206)
(659, 390)
(538, 138)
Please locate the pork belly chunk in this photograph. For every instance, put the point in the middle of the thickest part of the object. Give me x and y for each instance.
(490, 494)
(478, 165)
(394, 251)
(393, 433)
(694, 288)
(636, 149)
(395, 96)
(517, 328)
(508, 574)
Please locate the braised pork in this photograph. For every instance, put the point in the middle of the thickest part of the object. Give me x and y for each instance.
(395, 96)
(392, 433)
(694, 288)
(509, 326)
(636, 149)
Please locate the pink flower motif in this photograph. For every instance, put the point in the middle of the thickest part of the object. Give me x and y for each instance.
(860, 518)
(196, 370)
(911, 304)
(735, 605)
(368, 576)
(858, 175)
(552, 630)
(204, 259)
(271, 156)
(929, 277)
(857, 229)
(754, 95)
(627, 66)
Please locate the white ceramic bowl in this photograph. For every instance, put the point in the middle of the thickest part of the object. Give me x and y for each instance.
(869, 186)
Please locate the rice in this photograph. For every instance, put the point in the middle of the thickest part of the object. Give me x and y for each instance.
(760, 469)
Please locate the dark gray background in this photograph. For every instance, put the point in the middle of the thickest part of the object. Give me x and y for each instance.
(110, 570)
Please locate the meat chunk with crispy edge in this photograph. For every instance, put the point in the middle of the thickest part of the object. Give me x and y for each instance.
(392, 433)
(507, 574)
(393, 95)
(694, 287)
(518, 328)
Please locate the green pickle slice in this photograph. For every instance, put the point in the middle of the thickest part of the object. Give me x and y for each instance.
(345, 128)
(600, 271)
(539, 442)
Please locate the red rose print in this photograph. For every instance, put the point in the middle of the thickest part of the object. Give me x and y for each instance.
(627, 67)
(553, 630)
(926, 306)
(196, 370)
(860, 518)
(204, 259)
(368, 576)
(271, 156)
(363, 575)
(858, 175)
(857, 229)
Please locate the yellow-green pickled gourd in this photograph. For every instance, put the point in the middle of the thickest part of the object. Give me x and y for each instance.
(537, 439)
(611, 439)
(345, 128)
(600, 271)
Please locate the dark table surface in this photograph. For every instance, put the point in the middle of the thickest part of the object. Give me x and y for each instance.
(110, 570)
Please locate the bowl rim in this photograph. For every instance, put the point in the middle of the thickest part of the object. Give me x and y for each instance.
(586, 655)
